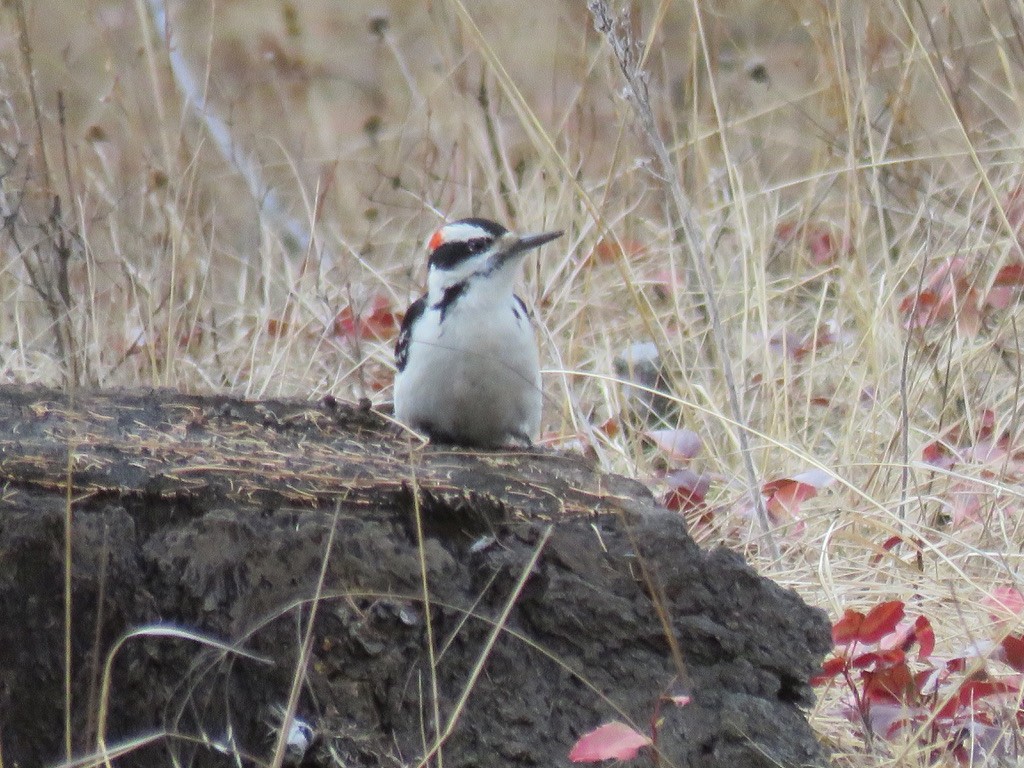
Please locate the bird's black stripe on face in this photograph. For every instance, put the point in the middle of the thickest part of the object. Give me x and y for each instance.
(452, 254)
(405, 334)
(450, 296)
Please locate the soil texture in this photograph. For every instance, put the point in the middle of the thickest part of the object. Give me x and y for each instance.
(502, 604)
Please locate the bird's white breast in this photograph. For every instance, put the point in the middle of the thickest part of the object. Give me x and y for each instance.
(479, 381)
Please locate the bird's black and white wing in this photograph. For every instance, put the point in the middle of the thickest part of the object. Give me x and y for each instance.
(412, 314)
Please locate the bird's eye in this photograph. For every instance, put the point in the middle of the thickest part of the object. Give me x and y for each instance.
(476, 246)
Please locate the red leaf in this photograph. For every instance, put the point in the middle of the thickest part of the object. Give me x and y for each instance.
(946, 289)
(608, 251)
(893, 683)
(825, 246)
(277, 328)
(925, 636)
(687, 490)
(892, 541)
(785, 496)
(958, 664)
(1013, 651)
(379, 323)
(881, 621)
(972, 691)
(921, 307)
(847, 629)
(819, 238)
(879, 659)
(1011, 274)
(938, 454)
(887, 546)
(829, 669)
(812, 480)
(611, 741)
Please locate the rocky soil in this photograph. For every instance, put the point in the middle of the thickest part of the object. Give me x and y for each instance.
(506, 602)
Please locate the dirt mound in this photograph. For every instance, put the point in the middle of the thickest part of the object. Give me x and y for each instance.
(589, 599)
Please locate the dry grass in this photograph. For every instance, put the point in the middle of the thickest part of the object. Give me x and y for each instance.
(207, 244)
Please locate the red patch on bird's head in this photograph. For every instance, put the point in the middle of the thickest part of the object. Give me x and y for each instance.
(436, 240)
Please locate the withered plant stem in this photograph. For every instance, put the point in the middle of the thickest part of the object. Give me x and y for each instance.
(626, 50)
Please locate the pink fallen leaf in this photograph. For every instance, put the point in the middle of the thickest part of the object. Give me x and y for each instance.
(964, 506)
(1001, 297)
(679, 444)
(986, 424)
(681, 701)
(825, 245)
(988, 451)
(899, 637)
(609, 251)
(817, 478)
(1004, 603)
(968, 316)
(611, 741)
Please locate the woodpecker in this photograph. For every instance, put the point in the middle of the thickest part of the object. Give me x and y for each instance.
(468, 370)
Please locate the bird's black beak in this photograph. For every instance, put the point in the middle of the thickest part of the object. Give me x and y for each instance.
(529, 242)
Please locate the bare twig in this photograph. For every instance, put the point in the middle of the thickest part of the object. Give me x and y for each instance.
(46, 259)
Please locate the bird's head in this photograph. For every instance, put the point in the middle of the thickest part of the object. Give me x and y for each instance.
(468, 249)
